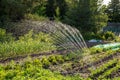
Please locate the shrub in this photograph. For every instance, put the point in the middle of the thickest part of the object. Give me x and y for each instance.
(102, 35)
(109, 35)
(99, 36)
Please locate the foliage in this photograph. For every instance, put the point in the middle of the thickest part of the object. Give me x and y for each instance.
(35, 17)
(45, 62)
(11, 10)
(108, 36)
(86, 16)
(30, 71)
(50, 8)
(59, 59)
(72, 56)
(95, 50)
(27, 44)
(52, 60)
(117, 39)
(89, 35)
(15, 10)
(113, 11)
(62, 8)
(5, 37)
(56, 9)
(105, 67)
(40, 9)
(104, 48)
(107, 73)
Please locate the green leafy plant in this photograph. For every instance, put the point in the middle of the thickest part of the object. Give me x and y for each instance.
(59, 58)
(45, 62)
(52, 59)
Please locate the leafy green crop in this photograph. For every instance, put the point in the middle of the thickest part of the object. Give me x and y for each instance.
(31, 71)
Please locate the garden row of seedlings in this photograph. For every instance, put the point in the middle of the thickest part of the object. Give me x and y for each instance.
(84, 70)
(110, 58)
(115, 74)
(105, 71)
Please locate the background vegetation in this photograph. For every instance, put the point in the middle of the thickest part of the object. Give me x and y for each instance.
(90, 16)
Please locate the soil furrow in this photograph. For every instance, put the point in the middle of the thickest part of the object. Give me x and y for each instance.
(21, 57)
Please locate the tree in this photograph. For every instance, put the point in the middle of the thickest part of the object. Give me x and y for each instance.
(15, 9)
(11, 9)
(62, 8)
(98, 18)
(113, 11)
(40, 9)
(56, 8)
(86, 16)
(50, 8)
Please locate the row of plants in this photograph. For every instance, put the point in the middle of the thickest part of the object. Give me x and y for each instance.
(31, 70)
(27, 44)
(103, 68)
(59, 59)
(93, 59)
(103, 56)
(108, 72)
(116, 78)
(104, 48)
